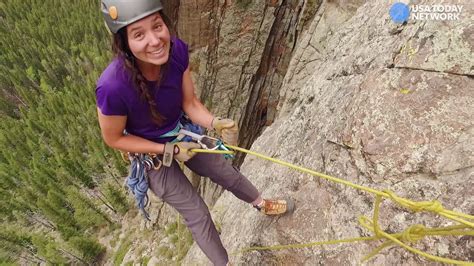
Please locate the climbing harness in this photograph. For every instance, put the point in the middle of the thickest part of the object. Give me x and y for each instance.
(465, 226)
(184, 123)
(141, 163)
(186, 130)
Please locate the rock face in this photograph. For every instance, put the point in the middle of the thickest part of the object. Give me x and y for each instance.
(379, 104)
(240, 52)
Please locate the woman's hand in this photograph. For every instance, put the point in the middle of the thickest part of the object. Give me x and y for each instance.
(180, 151)
(227, 129)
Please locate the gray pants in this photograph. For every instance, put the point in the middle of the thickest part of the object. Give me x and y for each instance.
(173, 187)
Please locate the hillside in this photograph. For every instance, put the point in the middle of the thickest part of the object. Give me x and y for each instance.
(333, 86)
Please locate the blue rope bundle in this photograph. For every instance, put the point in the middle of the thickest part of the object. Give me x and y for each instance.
(190, 126)
(137, 181)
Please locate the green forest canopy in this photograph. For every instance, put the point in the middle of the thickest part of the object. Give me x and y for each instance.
(58, 181)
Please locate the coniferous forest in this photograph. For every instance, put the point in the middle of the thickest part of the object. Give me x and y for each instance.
(60, 185)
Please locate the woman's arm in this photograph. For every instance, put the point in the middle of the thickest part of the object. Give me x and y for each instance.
(192, 106)
(112, 127)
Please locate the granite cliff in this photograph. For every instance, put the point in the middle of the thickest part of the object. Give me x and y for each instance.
(345, 91)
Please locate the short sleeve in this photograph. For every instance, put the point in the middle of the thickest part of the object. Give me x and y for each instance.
(110, 101)
(180, 54)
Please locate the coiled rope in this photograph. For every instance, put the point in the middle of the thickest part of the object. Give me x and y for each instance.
(137, 181)
(411, 234)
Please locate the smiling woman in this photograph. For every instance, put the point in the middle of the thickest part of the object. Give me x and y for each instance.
(149, 42)
(146, 91)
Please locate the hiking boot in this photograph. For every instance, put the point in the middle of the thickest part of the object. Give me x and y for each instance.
(276, 206)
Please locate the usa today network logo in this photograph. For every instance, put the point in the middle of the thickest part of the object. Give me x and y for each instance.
(400, 12)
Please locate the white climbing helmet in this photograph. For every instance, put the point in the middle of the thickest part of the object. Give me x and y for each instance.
(120, 13)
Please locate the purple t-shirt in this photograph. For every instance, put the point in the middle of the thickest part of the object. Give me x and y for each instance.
(116, 95)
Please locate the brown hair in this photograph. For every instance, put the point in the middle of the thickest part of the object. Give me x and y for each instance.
(121, 49)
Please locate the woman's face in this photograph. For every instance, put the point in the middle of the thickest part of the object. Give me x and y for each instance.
(149, 40)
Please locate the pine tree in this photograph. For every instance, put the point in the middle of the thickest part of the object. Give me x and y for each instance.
(48, 249)
(85, 211)
(88, 248)
(116, 196)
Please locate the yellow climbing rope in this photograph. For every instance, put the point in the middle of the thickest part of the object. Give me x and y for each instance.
(411, 234)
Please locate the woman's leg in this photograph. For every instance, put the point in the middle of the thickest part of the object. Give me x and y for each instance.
(221, 171)
(171, 185)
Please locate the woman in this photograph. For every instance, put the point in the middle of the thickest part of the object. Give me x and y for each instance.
(144, 92)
